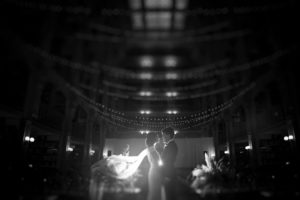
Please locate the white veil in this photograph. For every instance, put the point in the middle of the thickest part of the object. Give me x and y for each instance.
(119, 166)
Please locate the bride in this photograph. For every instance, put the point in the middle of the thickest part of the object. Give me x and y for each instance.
(123, 167)
(155, 189)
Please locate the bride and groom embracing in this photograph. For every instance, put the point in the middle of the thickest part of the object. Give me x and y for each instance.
(161, 156)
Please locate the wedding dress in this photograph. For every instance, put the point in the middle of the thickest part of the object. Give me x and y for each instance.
(119, 166)
(122, 167)
(155, 189)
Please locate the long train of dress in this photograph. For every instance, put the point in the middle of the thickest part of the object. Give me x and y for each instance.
(119, 166)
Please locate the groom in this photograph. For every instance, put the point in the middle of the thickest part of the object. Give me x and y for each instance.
(168, 157)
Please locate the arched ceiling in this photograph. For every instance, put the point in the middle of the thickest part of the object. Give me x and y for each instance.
(159, 62)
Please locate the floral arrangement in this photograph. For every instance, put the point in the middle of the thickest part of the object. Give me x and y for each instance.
(214, 176)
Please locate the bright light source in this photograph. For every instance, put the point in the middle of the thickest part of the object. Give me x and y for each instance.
(170, 112)
(144, 132)
(171, 94)
(247, 147)
(212, 155)
(160, 162)
(146, 76)
(31, 139)
(171, 75)
(291, 137)
(145, 93)
(70, 149)
(170, 61)
(92, 151)
(226, 152)
(175, 132)
(27, 138)
(146, 61)
(143, 112)
(30, 165)
(286, 138)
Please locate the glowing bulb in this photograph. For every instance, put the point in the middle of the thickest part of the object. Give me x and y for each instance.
(32, 139)
(170, 61)
(145, 93)
(27, 138)
(285, 138)
(160, 163)
(146, 61)
(171, 112)
(291, 137)
(171, 94)
(145, 112)
(92, 151)
(247, 147)
(226, 152)
(70, 149)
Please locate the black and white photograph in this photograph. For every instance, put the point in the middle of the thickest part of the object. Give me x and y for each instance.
(149, 100)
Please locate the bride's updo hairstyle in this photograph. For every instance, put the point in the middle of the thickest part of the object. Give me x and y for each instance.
(151, 138)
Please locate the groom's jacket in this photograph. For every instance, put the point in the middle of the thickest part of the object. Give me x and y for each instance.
(168, 157)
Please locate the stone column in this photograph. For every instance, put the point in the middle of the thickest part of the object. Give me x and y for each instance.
(230, 140)
(66, 134)
(252, 137)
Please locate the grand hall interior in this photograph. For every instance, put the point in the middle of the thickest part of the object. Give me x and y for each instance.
(149, 99)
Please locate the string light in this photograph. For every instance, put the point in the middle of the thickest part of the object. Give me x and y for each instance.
(122, 119)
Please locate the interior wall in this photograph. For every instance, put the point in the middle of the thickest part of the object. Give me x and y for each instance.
(190, 150)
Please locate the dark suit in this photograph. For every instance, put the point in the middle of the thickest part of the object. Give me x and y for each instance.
(168, 157)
